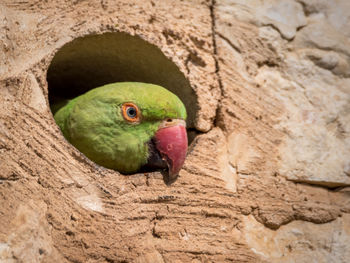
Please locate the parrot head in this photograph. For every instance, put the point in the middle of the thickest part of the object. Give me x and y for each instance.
(128, 127)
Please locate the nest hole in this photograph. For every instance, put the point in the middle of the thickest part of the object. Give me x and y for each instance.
(95, 60)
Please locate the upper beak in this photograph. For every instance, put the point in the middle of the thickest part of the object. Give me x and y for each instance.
(171, 142)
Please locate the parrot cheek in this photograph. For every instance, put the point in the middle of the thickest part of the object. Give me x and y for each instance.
(171, 142)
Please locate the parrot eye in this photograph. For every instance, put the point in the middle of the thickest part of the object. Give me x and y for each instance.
(130, 112)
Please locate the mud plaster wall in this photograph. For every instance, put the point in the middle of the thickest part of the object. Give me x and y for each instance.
(267, 180)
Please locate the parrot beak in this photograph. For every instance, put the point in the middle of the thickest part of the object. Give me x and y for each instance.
(171, 142)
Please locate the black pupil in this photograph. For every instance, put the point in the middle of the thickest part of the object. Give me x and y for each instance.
(131, 112)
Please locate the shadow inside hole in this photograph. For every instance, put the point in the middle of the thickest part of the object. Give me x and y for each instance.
(92, 61)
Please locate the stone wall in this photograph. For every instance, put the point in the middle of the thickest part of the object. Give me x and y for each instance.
(267, 87)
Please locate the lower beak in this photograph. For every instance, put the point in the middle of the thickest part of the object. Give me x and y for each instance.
(171, 142)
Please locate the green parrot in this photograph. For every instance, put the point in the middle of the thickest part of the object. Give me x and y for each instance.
(128, 127)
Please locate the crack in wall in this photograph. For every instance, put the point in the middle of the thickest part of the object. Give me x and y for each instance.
(229, 42)
(215, 56)
(326, 185)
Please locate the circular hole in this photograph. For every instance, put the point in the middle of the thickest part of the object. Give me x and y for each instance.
(92, 61)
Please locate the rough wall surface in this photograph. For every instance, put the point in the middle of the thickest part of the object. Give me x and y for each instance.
(266, 180)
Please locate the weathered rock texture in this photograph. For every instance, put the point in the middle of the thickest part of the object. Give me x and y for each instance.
(267, 86)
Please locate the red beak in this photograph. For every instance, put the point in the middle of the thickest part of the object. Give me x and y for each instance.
(171, 142)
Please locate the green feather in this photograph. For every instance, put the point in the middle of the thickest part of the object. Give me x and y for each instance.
(94, 124)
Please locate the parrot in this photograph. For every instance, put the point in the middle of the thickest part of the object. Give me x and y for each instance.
(129, 127)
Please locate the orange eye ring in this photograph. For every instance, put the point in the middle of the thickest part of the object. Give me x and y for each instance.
(131, 112)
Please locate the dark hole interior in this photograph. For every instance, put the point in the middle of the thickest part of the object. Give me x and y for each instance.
(95, 60)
